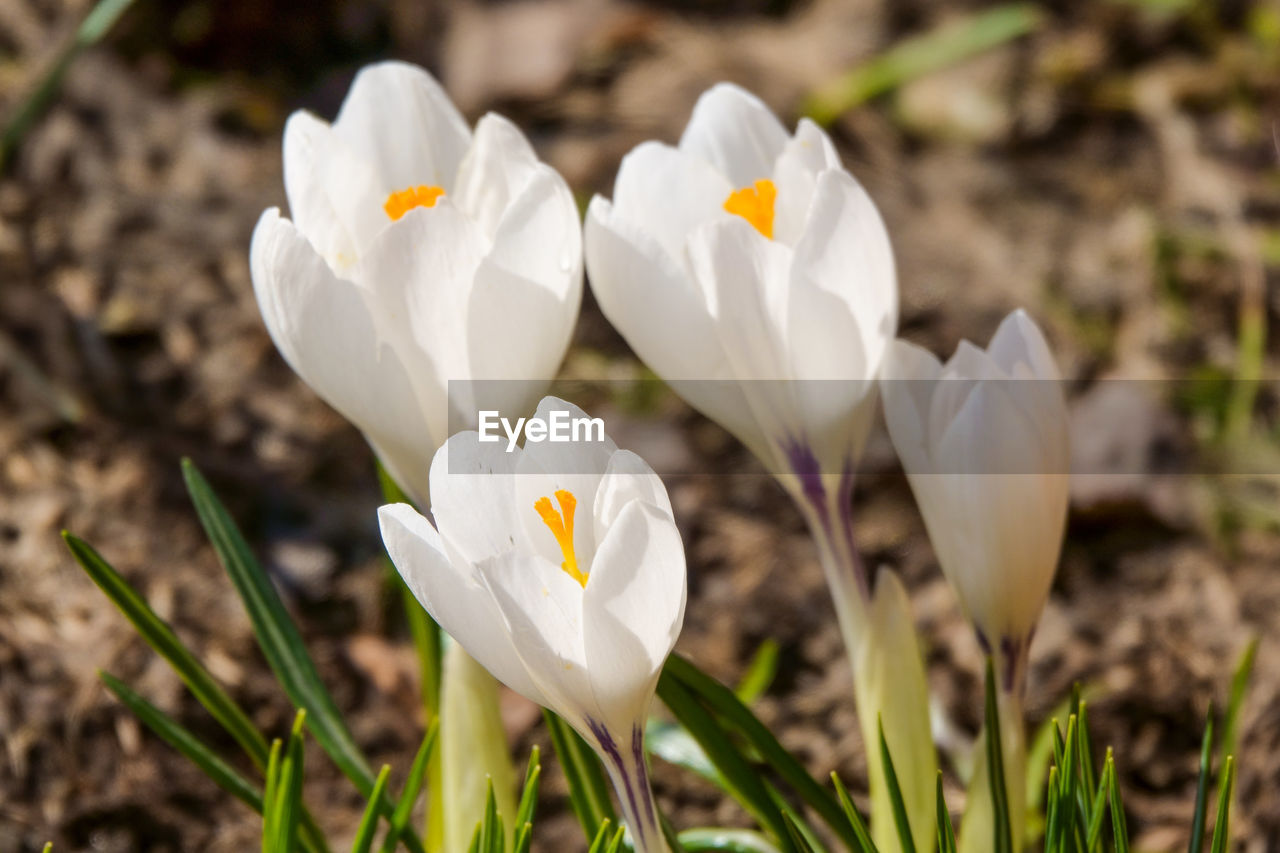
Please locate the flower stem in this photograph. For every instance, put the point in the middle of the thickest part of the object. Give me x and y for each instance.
(977, 827)
(888, 670)
(629, 773)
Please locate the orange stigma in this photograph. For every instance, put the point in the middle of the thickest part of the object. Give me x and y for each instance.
(398, 204)
(561, 526)
(755, 204)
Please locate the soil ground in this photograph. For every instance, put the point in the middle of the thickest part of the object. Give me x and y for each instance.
(1114, 172)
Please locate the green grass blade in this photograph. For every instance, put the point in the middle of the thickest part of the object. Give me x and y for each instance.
(1084, 744)
(946, 832)
(524, 838)
(280, 642)
(412, 787)
(744, 780)
(1239, 686)
(950, 43)
(588, 791)
(729, 707)
(289, 790)
(95, 25)
(1196, 843)
(895, 795)
(181, 739)
(601, 838)
(760, 673)
(1003, 841)
(271, 799)
(1222, 826)
(862, 838)
(165, 642)
(529, 793)
(1119, 827)
(1094, 836)
(799, 840)
(369, 822)
(616, 843)
(490, 828)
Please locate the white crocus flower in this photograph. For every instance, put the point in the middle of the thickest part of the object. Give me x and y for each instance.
(560, 569)
(747, 268)
(984, 442)
(419, 253)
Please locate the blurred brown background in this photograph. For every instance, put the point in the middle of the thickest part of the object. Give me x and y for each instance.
(1113, 168)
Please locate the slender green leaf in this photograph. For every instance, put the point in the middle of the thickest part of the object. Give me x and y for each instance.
(157, 633)
(529, 793)
(799, 840)
(946, 832)
(674, 745)
(1196, 843)
(271, 798)
(615, 844)
(1088, 772)
(862, 838)
(1239, 686)
(1099, 808)
(1222, 826)
(288, 808)
(950, 43)
(731, 709)
(588, 791)
(488, 837)
(1003, 841)
(744, 780)
(900, 819)
(412, 787)
(48, 847)
(760, 673)
(369, 822)
(181, 739)
(280, 642)
(601, 837)
(524, 838)
(1119, 827)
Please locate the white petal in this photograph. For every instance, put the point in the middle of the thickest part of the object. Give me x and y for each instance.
(806, 156)
(668, 192)
(495, 170)
(472, 497)
(542, 606)
(1019, 347)
(628, 478)
(749, 275)
(455, 597)
(324, 329)
(420, 271)
(400, 120)
(907, 383)
(335, 197)
(633, 610)
(734, 131)
(663, 315)
(845, 250)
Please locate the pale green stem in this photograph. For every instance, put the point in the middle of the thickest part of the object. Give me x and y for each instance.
(977, 828)
(473, 750)
(888, 670)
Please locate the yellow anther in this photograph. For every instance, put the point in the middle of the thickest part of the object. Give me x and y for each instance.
(561, 526)
(755, 204)
(400, 203)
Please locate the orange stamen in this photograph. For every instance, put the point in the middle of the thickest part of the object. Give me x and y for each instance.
(755, 204)
(561, 526)
(400, 203)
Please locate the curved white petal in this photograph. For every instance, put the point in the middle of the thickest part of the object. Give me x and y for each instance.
(845, 250)
(627, 479)
(497, 167)
(400, 120)
(325, 330)
(419, 271)
(734, 131)
(335, 197)
(633, 610)
(472, 497)
(667, 193)
(455, 598)
(806, 156)
(1020, 349)
(542, 607)
(907, 382)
